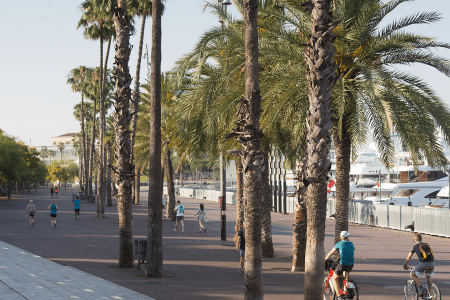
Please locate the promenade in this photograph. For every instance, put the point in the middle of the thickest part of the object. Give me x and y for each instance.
(82, 255)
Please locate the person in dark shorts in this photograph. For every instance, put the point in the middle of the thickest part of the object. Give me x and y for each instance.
(427, 262)
(53, 208)
(31, 211)
(241, 248)
(52, 191)
(346, 251)
(76, 207)
(56, 192)
(180, 216)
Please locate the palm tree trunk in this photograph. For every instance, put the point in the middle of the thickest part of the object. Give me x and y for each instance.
(91, 160)
(100, 209)
(342, 144)
(170, 213)
(104, 157)
(154, 266)
(249, 136)
(123, 168)
(266, 210)
(108, 177)
(299, 231)
(137, 184)
(321, 79)
(84, 150)
(135, 103)
(239, 199)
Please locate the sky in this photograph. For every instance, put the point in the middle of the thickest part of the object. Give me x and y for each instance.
(40, 45)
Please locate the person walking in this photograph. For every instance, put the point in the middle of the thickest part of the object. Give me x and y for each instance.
(180, 216)
(52, 191)
(76, 207)
(164, 201)
(56, 192)
(426, 261)
(31, 211)
(241, 247)
(53, 208)
(201, 217)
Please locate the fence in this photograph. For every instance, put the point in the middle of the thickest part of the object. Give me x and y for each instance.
(433, 221)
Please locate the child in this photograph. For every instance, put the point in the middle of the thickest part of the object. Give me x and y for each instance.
(201, 217)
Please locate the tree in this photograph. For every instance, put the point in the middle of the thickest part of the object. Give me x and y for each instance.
(321, 79)
(97, 21)
(154, 257)
(142, 8)
(123, 168)
(11, 160)
(249, 136)
(372, 93)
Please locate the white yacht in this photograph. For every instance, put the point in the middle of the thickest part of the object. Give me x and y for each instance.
(441, 200)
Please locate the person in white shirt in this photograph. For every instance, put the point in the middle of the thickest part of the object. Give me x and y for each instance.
(164, 201)
(180, 216)
(201, 217)
(31, 210)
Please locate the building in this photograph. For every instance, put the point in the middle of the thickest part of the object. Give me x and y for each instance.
(68, 153)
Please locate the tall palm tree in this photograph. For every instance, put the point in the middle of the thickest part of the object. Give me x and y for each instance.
(96, 20)
(123, 169)
(143, 9)
(375, 93)
(321, 79)
(79, 79)
(249, 136)
(154, 265)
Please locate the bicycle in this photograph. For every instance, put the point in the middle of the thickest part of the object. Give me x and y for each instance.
(349, 287)
(411, 289)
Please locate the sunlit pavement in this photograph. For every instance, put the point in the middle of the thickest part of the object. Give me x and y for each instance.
(24, 275)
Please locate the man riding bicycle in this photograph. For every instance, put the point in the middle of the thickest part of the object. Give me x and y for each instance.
(346, 251)
(426, 261)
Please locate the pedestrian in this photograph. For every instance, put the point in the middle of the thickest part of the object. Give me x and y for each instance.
(53, 208)
(201, 217)
(31, 211)
(56, 192)
(164, 201)
(241, 247)
(180, 216)
(76, 206)
(52, 191)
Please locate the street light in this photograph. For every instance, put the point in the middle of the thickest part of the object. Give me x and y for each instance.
(379, 179)
(447, 171)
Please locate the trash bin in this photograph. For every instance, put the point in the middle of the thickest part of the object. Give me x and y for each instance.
(140, 251)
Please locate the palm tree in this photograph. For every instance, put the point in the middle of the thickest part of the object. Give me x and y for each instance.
(143, 9)
(154, 265)
(79, 79)
(249, 136)
(373, 93)
(97, 19)
(321, 79)
(123, 169)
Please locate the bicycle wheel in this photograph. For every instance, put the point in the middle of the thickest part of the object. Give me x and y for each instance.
(411, 290)
(434, 292)
(328, 293)
(352, 290)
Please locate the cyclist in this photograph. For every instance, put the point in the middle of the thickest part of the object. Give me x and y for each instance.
(419, 269)
(346, 251)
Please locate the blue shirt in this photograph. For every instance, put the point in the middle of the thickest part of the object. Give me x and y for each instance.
(346, 251)
(53, 209)
(76, 203)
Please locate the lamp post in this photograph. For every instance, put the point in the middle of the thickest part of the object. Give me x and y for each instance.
(379, 180)
(148, 63)
(223, 178)
(447, 171)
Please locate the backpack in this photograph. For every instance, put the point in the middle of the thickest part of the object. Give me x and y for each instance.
(181, 209)
(427, 253)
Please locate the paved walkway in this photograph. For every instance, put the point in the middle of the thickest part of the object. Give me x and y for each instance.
(197, 266)
(28, 276)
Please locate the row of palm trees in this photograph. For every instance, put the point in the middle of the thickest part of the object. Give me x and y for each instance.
(303, 75)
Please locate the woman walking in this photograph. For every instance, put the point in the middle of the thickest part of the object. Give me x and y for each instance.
(31, 210)
(56, 192)
(201, 217)
(53, 208)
